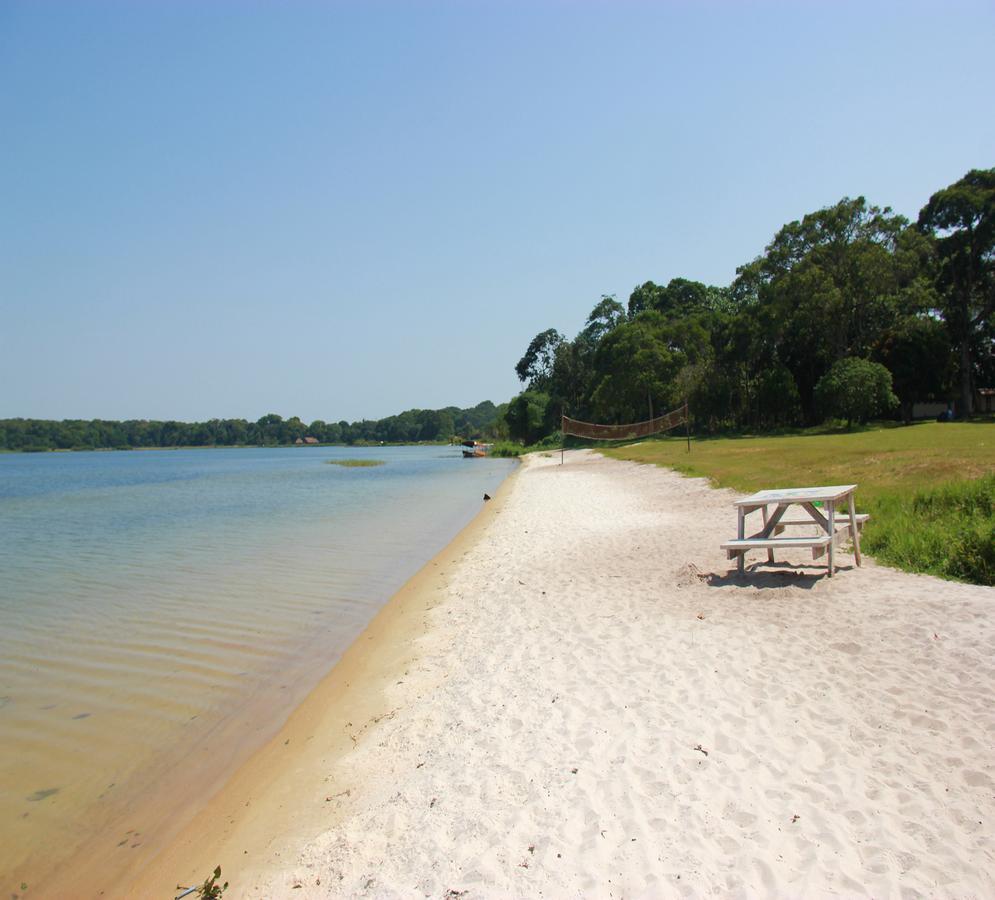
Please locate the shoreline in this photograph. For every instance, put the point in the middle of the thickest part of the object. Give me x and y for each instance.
(600, 706)
(580, 697)
(345, 702)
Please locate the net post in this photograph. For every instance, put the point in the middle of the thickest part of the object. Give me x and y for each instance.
(687, 425)
(563, 433)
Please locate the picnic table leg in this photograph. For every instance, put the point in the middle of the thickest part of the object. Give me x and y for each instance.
(854, 533)
(741, 533)
(831, 516)
(770, 552)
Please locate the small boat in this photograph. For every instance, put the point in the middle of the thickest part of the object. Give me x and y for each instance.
(473, 449)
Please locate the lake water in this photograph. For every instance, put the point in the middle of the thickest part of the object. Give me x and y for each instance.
(151, 601)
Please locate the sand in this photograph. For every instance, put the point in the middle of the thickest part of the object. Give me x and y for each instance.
(581, 698)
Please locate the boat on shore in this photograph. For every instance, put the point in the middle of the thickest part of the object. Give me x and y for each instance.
(473, 449)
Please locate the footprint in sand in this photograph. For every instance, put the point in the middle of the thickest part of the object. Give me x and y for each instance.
(977, 779)
(855, 817)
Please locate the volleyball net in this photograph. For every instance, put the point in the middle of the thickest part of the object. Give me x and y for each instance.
(595, 432)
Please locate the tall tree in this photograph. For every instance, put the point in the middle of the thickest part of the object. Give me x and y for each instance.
(536, 366)
(916, 351)
(529, 417)
(606, 315)
(962, 217)
(637, 365)
(680, 297)
(829, 286)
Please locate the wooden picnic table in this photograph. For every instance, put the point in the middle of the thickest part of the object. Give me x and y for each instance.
(831, 530)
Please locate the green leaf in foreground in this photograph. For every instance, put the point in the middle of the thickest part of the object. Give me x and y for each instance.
(209, 890)
(355, 463)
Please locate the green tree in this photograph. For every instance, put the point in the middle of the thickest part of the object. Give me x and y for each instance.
(607, 314)
(446, 427)
(536, 366)
(268, 429)
(637, 364)
(681, 297)
(570, 380)
(291, 430)
(647, 296)
(855, 389)
(830, 285)
(962, 217)
(527, 417)
(917, 353)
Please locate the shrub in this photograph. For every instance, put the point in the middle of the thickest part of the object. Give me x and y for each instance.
(527, 416)
(855, 389)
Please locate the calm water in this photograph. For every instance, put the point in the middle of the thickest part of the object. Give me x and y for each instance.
(151, 599)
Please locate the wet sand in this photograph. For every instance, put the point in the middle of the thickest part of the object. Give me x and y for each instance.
(579, 697)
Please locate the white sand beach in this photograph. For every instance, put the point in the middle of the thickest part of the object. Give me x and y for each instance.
(581, 698)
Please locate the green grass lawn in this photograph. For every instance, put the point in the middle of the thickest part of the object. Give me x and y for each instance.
(930, 488)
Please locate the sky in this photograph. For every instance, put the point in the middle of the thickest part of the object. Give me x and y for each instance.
(342, 210)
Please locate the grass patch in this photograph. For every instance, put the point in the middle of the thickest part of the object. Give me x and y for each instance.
(930, 488)
(507, 449)
(355, 463)
(510, 448)
(947, 531)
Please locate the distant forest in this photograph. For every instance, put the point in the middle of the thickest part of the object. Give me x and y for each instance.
(852, 312)
(412, 426)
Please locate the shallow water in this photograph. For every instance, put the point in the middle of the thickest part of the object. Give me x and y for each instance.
(150, 600)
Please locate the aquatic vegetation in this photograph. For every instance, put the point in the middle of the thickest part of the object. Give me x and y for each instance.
(355, 463)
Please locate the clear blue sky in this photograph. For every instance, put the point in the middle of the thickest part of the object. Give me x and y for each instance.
(342, 210)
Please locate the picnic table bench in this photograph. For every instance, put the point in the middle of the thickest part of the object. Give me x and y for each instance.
(831, 530)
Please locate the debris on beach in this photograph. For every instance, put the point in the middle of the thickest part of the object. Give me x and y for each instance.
(689, 575)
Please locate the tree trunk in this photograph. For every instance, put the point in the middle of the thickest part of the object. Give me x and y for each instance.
(966, 394)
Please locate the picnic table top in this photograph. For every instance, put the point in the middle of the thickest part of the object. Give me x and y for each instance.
(797, 495)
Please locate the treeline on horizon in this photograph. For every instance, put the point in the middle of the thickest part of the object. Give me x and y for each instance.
(852, 312)
(411, 426)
